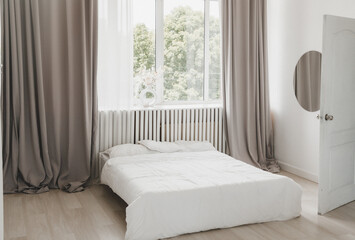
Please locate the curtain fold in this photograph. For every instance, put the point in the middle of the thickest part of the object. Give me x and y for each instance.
(49, 101)
(115, 55)
(247, 116)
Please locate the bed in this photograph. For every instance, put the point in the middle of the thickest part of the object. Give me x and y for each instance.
(178, 192)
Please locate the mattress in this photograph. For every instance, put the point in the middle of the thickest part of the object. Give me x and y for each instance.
(170, 194)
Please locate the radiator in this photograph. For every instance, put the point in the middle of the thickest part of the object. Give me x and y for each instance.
(192, 124)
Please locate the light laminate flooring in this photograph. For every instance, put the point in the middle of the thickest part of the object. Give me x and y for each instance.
(99, 214)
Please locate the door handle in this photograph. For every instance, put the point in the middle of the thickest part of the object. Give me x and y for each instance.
(328, 117)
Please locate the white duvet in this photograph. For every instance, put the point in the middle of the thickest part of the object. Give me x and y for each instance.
(169, 194)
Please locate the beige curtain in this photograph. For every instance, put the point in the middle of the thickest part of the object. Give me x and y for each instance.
(49, 101)
(307, 81)
(245, 82)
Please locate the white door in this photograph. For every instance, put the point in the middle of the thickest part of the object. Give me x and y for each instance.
(337, 125)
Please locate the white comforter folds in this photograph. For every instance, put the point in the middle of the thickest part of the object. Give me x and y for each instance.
(169, 194)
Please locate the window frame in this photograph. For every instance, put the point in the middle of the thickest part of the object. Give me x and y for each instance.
(159, 57)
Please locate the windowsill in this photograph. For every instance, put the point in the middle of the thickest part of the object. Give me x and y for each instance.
(170, 106)
(173, 106)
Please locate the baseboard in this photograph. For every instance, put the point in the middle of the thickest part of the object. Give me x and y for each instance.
(299, 172)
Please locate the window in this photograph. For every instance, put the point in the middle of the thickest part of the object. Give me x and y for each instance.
(177, 43)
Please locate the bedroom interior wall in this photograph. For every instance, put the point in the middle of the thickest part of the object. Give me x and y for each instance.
(1, 181)
(1, 184)
(295, 27)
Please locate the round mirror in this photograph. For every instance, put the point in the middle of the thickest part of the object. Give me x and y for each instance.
(307, 81)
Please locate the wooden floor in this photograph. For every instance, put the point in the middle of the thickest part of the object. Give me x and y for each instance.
(97, 213)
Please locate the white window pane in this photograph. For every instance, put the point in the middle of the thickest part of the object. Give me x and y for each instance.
(183, 50)
(215, 52)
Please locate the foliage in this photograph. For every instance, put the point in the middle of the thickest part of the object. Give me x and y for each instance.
(184, 45)
(143, 48)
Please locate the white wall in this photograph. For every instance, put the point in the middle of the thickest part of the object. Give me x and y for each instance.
(1, 181)
(295, 27)
(1, 185)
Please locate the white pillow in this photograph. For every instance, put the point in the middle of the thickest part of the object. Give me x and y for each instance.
(125, 150)
(163, 147)
(195, 146)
